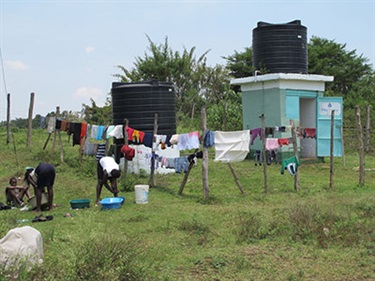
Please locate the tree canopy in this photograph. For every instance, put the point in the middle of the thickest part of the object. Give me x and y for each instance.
(197, 84)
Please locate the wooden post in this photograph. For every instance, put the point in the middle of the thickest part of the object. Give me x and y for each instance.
(59, 134)
(61, 147)
(30, 120)
(368, 122)
(54, 129)
(332, 173)
(152, 180)
(361, 148)
(236, 178)
(295, 149)
(126, 142)
(8, 118)
(264, 154)
(343, 147)
(206, 190)
(82, 141)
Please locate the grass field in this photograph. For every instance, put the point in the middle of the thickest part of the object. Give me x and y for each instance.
(314, 234)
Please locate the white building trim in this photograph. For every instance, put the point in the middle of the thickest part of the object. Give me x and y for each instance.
(292, 81)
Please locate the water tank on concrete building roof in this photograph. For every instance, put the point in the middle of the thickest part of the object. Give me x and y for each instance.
(280, 48)
(138, 102)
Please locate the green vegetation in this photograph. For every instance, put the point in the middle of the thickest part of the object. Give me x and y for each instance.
(315, 234)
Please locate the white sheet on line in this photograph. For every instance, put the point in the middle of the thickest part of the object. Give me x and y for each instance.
(231, 146)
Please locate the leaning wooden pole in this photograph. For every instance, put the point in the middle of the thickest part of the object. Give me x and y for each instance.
(360, 147)
(204, 163)
(152, 173)
(47, 140)
(206, 190)
(30, 119)
(331, 171)
(8, 118)
(236, 178)
(186, 176)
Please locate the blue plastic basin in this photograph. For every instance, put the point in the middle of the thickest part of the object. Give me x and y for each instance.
(112, 203)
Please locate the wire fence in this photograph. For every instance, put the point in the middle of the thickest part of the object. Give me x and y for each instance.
(361, 135)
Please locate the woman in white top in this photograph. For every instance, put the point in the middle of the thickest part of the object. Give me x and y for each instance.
(108, 172)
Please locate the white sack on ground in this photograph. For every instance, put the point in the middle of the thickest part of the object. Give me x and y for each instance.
(21, 244)
(231, 146)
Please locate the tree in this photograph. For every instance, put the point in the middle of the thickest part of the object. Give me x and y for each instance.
(240, 64)
(184, 70)
(326, 57)
(98, 115)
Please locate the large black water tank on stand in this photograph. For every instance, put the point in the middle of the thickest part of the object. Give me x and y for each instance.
(138, 102)
(280, 48)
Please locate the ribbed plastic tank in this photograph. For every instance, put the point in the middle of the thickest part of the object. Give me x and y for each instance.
(138, 102)
(280, 48)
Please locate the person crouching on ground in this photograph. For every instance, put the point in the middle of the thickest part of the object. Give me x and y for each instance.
(40, 177)
(108, 172)
(15, 193)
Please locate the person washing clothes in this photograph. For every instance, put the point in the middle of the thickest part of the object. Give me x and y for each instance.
(40, 177)
(108, 172)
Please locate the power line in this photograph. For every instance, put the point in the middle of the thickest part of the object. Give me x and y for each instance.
(2, 68)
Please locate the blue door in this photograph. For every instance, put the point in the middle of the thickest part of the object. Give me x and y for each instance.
(325, 105)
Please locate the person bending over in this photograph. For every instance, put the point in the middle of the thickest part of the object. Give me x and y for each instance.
(15, 193)
(108, 173)
(40, 177)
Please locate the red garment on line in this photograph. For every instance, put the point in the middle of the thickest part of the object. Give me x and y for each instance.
(283, 141)
(128, 152)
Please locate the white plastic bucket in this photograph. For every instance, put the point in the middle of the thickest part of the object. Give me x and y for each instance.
(141, 193)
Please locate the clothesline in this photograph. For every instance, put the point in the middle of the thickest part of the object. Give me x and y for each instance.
(232, 146)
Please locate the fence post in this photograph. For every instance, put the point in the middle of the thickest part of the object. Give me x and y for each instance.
(265, 175)
(331, 172)
(361, 148)
(30, 120)
(295, 150)
(8, 118)
(205, 157)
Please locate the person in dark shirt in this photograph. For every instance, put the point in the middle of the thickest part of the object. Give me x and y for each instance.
(40, 177)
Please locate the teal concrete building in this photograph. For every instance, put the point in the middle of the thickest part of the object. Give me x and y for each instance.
(283, 97)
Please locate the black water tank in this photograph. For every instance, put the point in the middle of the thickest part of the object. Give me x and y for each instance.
(138, 102)
(280, 48)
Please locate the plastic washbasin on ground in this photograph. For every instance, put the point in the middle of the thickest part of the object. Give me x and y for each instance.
(79, 203)
(112, 203)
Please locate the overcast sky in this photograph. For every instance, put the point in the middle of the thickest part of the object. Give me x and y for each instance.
(66, 52)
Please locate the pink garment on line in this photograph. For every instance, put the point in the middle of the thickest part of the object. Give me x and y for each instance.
(272, 144)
